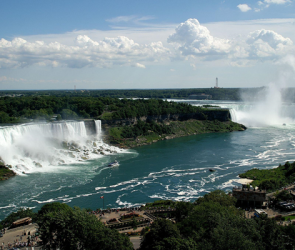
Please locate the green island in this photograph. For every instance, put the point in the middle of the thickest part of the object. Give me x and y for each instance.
(150, 132)
(271, 179)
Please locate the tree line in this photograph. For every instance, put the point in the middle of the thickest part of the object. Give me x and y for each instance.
(216, 93)
(18, 109)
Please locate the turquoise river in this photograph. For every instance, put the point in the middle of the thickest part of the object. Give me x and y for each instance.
(175, 169)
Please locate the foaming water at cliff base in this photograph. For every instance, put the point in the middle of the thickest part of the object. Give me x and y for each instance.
(264, 108)
(46, 147)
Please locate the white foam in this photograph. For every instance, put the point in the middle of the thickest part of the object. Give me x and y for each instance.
(51, 147)
(99, 188)
(8, 206)
(47, 201)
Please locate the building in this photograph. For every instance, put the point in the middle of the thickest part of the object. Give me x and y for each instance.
(216, 86)
(250, 197)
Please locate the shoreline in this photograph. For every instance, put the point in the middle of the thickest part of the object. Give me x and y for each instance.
(243, 181)
(180, 129)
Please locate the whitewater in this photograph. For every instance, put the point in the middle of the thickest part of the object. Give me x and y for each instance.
(62, 162)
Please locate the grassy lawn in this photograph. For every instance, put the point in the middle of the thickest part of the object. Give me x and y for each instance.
(291, 217)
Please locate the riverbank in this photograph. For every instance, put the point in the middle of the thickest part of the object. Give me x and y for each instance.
(114, 135)
(5, 172)
(271, 179)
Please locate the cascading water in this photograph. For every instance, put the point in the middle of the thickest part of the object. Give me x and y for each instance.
(269, 111)
(98, 126)
(41, 147)
(233, 115)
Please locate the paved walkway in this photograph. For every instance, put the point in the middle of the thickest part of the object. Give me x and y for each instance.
(17, 234)
(136, 241)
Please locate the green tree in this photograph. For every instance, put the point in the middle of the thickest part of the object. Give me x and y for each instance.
(165, 235)
(218, 196)
(4, 117)
(63, 227)
(68, 114)
(21, 213)
(183, 209)
(284, 195)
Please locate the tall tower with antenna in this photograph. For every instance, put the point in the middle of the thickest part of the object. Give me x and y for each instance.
(216, 86)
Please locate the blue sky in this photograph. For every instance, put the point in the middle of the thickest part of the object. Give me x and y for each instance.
(146, 44)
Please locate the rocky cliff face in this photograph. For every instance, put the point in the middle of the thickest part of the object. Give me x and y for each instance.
(220, 115)
(5, 172)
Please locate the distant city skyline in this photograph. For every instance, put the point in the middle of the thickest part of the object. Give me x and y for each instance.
(146, 45)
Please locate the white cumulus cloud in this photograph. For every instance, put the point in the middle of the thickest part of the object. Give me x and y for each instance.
(267, 3)
(139, 65)
(193, 41)
(267, 43)
(191, 38)
(85, 53)
(276, 1)
(244, 7)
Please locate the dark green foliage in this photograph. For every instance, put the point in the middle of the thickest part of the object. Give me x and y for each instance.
(284, 196)
(272, 179)
(5, 118)
(219, 197)
(65, 228)
(67, 114)
(144, 128)
(71, 107)
(271, 234)
(22, 213)
(217, 94)
(161, 204)
(183, 209)
(53, 207)
(5, 172)
(164, 235)
(213, 222)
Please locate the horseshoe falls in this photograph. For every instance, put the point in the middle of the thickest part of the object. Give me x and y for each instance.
(64, 162)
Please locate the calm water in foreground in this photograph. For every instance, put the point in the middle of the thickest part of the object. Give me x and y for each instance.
(174, 169)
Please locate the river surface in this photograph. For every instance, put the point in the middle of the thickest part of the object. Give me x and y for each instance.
(175, 169)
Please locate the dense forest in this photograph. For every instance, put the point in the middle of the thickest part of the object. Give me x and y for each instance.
(211, 222)
(216, 93)
(15, 109)
(17, 105)
(233, 94)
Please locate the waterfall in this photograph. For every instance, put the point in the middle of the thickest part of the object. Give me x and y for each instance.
(43, 146)
(233, 115)
(62, 131)
(98, 126)
(262, 114)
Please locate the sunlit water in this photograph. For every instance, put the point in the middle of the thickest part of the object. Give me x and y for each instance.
(175, 169)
